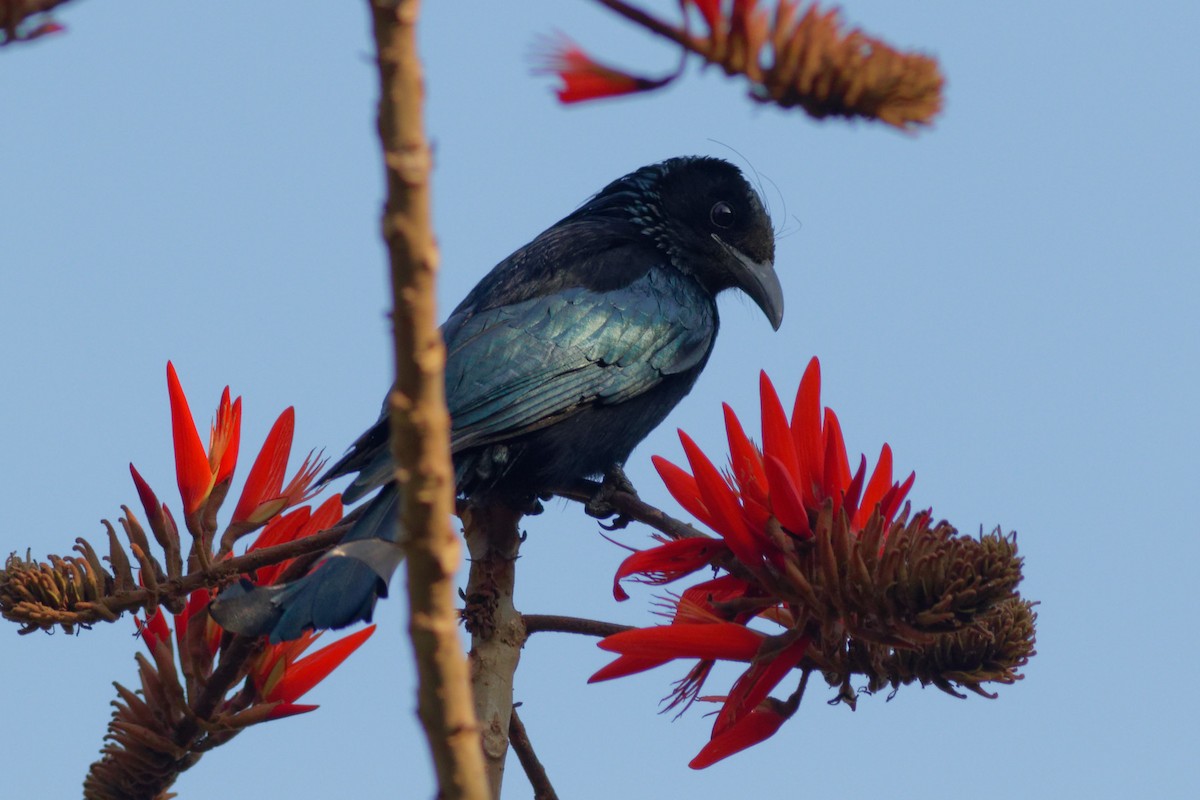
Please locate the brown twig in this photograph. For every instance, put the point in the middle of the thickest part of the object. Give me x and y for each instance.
(537, 623)
(420, 423)
(542, 789)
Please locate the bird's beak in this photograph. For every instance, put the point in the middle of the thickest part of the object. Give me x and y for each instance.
(759, 281)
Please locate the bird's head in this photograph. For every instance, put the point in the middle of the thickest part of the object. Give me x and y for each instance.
(710, 222)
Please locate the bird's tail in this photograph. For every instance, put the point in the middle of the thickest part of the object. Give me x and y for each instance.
(339, 590)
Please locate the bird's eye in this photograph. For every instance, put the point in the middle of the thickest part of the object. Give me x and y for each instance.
(722, 215)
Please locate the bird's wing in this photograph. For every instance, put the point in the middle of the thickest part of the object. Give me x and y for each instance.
(520, 367)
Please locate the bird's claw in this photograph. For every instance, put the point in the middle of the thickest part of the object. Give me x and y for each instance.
(600, 505)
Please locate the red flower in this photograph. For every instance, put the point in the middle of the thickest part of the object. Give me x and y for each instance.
(198, 473)
(764, 508)
(282, 677)
(584, 78)
(264, 495)
(278, 672)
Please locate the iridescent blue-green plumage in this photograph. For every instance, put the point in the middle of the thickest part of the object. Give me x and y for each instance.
(559, 362)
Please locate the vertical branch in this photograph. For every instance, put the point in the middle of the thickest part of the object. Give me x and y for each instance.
(420, 424)
(497, 630)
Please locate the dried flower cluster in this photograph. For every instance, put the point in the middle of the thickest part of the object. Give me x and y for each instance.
(834, 571)
(790, 58)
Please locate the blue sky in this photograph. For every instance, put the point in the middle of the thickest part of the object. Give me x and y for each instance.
(1009, 299)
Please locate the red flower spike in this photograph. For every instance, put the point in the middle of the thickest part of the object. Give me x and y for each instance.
(223, 438)
(745, 460)
(881, 481)
(787, 503)
(683, 488)
(266, 476)
(777, 435)
(668, 562)
(721, 500)
(806, 431)
(192, 472)
(759, 725)
(757, 682)
(306, 673)
(626, 665)
(720, 640)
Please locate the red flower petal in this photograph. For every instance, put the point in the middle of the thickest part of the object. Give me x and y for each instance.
(311, 670)
(266, 476)
(192, 472)
(837, 465)
(777, 435)
(722, 640)
(745, 460)
(289, 710)
(626, 665)
(724, 505)
(223, 438)
(284, 528)
(757, 726)
(683, 488)
(854, 490)
(894, 498)
(667, 562)
(806, 432)
(584, 78)
(710, 10)
(786, 502)
(705, 595)
(881, 481)
(154, 631)
(757, 682)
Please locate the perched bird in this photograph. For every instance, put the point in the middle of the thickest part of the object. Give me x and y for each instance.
(559, 362)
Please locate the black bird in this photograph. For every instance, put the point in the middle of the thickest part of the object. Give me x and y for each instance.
(559, 362)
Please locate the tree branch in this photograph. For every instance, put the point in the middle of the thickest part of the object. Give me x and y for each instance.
(420, 424)
(629, 506)
(535, 623)
(542, 789)
(497, 630)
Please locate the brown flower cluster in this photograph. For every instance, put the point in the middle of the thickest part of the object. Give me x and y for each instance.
(910, 602)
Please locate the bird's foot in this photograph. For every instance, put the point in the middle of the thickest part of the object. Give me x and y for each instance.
(600, 505)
